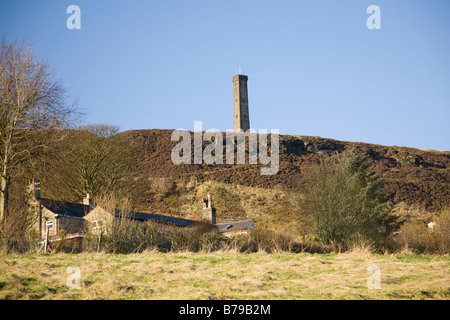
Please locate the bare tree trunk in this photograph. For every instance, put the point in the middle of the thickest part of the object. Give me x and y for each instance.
(32, 107)
(4, 189)
(3, 201)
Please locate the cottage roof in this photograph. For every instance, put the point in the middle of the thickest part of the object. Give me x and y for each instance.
(64, 208)
(141, 216)
(235, 225)
(78, 210)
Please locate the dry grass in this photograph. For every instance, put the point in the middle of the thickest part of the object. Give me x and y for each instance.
(225, 275)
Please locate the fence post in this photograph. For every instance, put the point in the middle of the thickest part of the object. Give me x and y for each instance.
(100, 241)
(46, 239)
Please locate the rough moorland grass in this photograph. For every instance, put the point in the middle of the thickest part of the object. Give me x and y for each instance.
(224, 275)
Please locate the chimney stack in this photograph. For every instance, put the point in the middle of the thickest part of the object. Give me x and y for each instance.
(88, 200)
(208, 212)
(34, 189)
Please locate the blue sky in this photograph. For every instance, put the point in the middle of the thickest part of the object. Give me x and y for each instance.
(314, 67)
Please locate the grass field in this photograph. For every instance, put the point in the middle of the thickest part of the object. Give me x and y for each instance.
(224, 275)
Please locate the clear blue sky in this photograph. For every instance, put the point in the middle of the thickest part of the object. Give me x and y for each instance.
(314, 67)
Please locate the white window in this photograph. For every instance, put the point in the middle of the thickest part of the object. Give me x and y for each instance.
(97, 226)
(49, 224)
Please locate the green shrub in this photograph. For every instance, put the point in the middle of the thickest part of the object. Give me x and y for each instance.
(342, 199)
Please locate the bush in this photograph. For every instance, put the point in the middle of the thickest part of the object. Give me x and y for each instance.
(343, 200)
(415, 236)
(443, 230)
(129, 236)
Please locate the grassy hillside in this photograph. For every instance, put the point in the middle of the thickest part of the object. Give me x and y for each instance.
(417, 179)
(224, 275)
(420, 178)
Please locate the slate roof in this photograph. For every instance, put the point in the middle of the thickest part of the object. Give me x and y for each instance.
(77, 210)
(235, 225)
(141, 216)
(64, 208)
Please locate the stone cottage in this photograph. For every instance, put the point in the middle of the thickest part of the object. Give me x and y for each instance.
(54, 216)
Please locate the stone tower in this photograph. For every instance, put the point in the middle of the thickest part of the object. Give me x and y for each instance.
(240, 94)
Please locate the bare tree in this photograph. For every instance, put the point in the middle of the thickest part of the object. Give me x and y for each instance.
(100, 158)
(32, 110)
(101, 130)
(92, 158)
